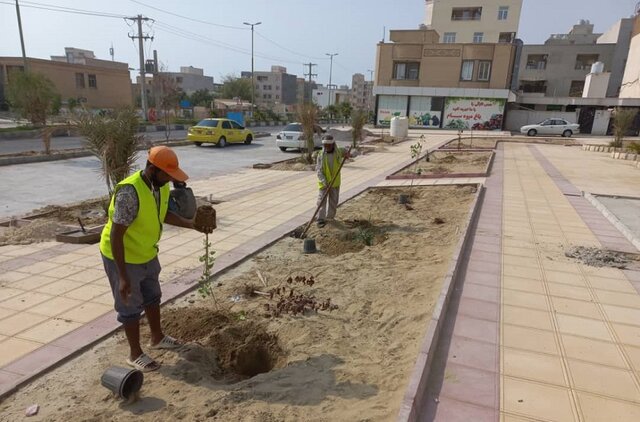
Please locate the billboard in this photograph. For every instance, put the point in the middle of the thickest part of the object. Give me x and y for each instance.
(423, 112)
(474, 113)
(391, 106)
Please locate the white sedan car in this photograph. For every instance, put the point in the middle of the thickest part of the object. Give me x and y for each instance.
(292, 136)
(554, 126)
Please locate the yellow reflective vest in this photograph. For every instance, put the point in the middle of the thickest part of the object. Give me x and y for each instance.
(338, 153)
(142, 236)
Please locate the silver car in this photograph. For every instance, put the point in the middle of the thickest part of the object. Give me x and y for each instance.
(553, 126)
(292, 136)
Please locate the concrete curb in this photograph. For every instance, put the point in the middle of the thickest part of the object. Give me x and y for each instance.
(416, 390)
(626, 232)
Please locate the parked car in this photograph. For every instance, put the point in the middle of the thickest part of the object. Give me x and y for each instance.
(553, 126)
(292, 136)
(220, 132)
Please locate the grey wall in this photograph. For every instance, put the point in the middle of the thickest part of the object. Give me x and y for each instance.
(560, 71)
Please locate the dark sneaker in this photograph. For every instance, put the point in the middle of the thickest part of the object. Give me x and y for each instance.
(321, 223)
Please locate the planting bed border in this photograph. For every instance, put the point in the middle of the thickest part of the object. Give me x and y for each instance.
(417, 387)
(486, 172)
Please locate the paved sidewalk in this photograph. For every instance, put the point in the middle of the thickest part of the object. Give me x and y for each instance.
(532, 335)
(55, 299)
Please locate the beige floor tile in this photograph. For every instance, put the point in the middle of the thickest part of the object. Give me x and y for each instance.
(526, 252)
(569, 292)
(33, 282)
(4, 313)
(9, 292)
(25, 301)
(518, 271)
(40, 267)
(86, 276)
(579, 308)
(67, 258)
(631, 300)
(584, 327)
(63, 271)
(533, 366)
(89, 261)
(49, 330)
(622, 314)
(526, 317)
(55, 306)
(59, 287)
(87, 292)
(604, 380)
(603, 272)
(19, 322)
(104, 299)
(11, 277)
(627, 334)
(598, 409)
(523, 284)
(14, 348)
(86, 312)
(533, 400)
(524, 299)
(615, 285)
(520, 260)
(633, 353)
(590, 350)
(574, 279)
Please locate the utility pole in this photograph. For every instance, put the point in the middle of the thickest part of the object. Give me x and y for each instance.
(310, 75)
(112, 52)
(330, 72)
(369, 92)
(143, 83)
(253, 81)
(24, 54)
(370, 74)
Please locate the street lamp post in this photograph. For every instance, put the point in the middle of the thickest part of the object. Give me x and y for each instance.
(253, 81)
(330, 72)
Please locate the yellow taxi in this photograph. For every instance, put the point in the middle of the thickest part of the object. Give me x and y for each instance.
(220, 132)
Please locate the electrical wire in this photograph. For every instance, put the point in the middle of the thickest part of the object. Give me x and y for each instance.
(54, 8)
(188, 18)
(289, 50)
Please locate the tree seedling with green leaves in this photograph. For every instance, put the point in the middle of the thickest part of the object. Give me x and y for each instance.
(205, 283)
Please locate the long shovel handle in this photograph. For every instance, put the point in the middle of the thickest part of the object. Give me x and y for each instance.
(326, 193)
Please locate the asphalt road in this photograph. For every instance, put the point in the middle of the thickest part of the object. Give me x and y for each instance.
(15, 146)
(35, 185)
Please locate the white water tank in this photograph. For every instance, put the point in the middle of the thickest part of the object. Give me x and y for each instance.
(597, 67)
(399, 127)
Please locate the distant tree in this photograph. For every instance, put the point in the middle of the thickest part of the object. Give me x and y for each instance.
(168, 98)
(332, 111)
(33, 95)
(345, 109)
(233, 87)
(201, 97)
(72, 103)
(622, 121)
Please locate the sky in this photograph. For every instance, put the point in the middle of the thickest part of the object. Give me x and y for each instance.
(211, 35)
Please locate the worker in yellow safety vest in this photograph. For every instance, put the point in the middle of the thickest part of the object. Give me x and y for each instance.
(129, 248)
(328, 169)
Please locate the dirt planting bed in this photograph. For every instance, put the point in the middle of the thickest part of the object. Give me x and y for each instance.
(491, 143)
(443, 163)
(45, 223)
(293, 164)
(331, 336)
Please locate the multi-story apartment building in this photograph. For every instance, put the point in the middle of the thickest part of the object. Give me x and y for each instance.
(442, 85)
(473, 21)
(274, 87)
(324, 96)
(77, 75)
(361, 92)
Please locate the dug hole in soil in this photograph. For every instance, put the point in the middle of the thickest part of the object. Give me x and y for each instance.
(344, 353)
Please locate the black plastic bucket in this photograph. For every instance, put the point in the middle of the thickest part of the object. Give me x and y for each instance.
(123, 382)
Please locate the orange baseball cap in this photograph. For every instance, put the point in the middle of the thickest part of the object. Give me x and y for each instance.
(166, 160)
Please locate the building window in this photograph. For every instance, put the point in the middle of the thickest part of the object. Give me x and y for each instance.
(449, 38)
(478, 37)
(576, 88)
(179, 79)
(537, 61)
(466, 13)
(506, 37)
(503, 13)
(484, 70)
(467, 70)
(406, 70)
(277, 88)
(584, 61)
(79, 80)
(277, 97)
(264, 87)
(539, 87)
(93, 82)
(262, 78)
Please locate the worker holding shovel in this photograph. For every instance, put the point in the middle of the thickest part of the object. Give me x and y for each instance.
(129, 247)
(328, 168)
